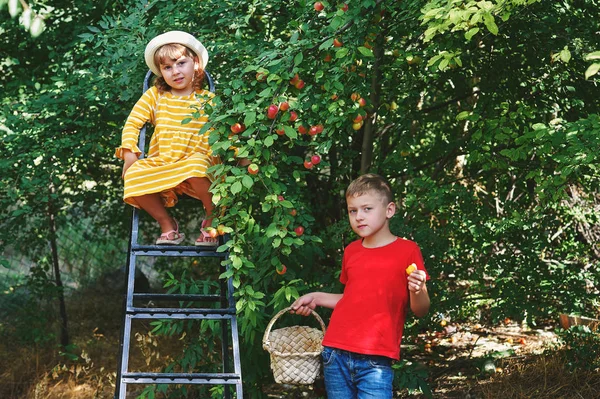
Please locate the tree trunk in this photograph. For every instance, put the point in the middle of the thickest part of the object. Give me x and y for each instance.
(64, 332)
(375, 98)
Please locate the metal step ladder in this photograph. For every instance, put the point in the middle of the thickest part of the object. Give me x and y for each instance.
(225, 312)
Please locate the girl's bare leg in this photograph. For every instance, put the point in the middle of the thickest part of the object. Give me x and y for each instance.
(201, 186)
(152, 203)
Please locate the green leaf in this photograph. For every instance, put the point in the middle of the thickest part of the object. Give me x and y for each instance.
(249, 118)
(565, 55)
(490, 24)
(298, 58)
(236, 187)
(326, 44)
(592, 70)
(290, 132)
(186, 121)
(268, 141)
(470, 33)
(247, 181)
(364, 51)
(463, 115)
(341, 53)
(593, 56)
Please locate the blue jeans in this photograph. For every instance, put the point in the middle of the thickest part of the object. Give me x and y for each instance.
(350, 375)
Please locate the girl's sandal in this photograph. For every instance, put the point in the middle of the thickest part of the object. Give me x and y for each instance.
(172, 237)
(205, 240)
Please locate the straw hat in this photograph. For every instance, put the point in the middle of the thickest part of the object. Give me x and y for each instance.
(174, 36)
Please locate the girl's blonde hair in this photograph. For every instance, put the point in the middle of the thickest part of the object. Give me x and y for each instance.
(371, 182)
(174, 51)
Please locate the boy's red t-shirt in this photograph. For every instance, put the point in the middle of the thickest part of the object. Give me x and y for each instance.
(369, 319)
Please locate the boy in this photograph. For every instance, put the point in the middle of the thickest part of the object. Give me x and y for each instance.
(365, 330)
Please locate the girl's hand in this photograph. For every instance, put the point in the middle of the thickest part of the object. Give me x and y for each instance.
(416, 281)
(130, 158)
(304, 305)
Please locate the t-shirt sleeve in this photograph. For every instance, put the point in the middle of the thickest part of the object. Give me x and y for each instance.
(344, 274)
(417, 258)
(141, 113)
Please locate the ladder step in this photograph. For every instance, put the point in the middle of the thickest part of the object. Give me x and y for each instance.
(181, 378)
(174, 250)
(180, 313)
(177, 297)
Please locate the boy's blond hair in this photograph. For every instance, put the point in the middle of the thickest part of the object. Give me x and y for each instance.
(371, 182)
(174, 51)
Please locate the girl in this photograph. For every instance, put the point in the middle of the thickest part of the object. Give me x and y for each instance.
(178, 157)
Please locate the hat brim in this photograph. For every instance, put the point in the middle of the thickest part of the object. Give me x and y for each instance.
(178, 37)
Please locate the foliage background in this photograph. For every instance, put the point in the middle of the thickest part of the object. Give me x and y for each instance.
(479, 112)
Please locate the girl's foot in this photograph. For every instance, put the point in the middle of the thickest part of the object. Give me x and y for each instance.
(206, 239)
(171, 237)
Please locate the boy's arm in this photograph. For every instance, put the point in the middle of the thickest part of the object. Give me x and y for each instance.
(419, 298)
(308, 302)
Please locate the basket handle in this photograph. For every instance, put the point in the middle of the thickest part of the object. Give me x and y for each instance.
(267, 344)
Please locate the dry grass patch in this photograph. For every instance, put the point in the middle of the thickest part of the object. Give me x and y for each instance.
(542, 377)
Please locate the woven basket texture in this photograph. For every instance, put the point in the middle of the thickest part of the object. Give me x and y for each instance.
(295, 354)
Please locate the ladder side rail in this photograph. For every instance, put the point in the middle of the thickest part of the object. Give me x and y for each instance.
(237, 365)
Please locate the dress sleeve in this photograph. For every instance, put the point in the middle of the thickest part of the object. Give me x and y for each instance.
(142, 112)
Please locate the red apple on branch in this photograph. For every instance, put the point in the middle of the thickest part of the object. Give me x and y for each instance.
(237, 128)
(315, 159)
(299, 230)
(272, 111)
(319, 6)
(253, 168)
(293, 116)
(281, 270)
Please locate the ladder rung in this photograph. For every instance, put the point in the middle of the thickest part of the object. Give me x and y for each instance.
(177, 297)
(180, 313)
(174, 250)
(181, 378)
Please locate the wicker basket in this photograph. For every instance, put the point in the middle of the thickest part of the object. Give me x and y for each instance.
(295, 351)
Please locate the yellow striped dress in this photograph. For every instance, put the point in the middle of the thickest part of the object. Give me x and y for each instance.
(177, 152)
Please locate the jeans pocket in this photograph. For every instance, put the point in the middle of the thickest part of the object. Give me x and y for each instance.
(328, 355)
(380, 362)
